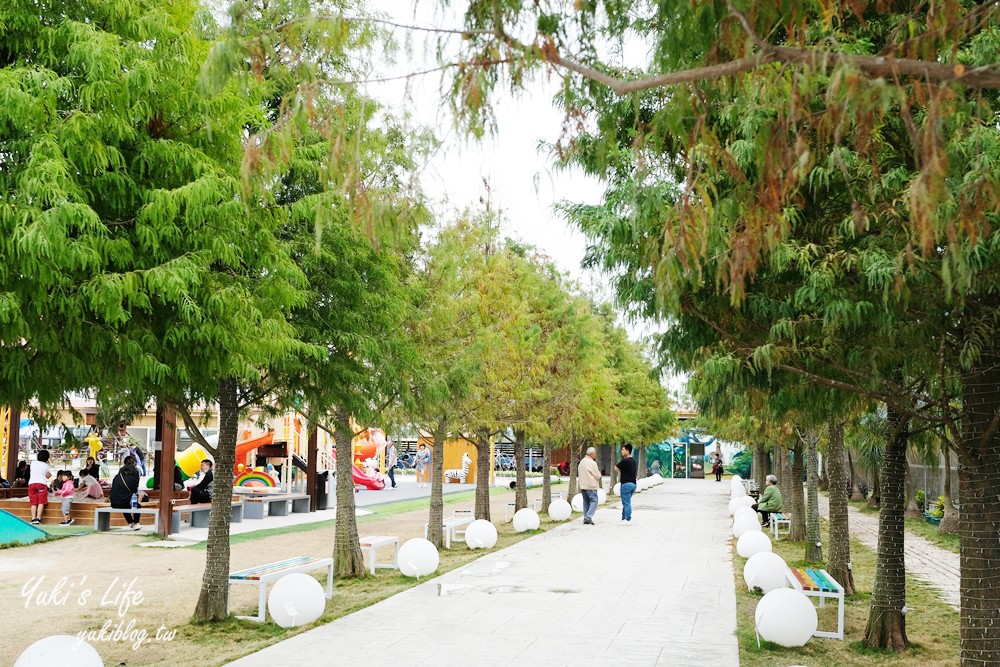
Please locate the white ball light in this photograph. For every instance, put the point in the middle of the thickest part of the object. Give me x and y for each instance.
(737, 478)
(58, 649)
(745, 525)
(481, 534)
(786, 617)
(752, 542)
(737, 491)
(602, 496)
(296, 599)
(744, 511)
(748, 501)
(577, 503)
(559, 510)
(618, 489)
(525, 519)
(418, 558)
(766, 571)
(735, 504)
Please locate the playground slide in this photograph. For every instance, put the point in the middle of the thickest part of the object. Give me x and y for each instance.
(364, 480)
(247, 446)
(13, 530)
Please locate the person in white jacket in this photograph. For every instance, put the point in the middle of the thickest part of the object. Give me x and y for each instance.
(590, 481)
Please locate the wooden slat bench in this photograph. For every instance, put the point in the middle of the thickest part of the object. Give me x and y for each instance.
(818, 583)
(102, 516)
(453, 527)
(277, 504)
(371, 543)
(777, 521)
(259, 576)
(200, 514)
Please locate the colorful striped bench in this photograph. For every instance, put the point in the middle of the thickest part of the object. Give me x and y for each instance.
(777, 521)
(818, 583)
(260, 575)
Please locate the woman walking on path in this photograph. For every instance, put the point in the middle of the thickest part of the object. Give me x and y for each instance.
(421, 463)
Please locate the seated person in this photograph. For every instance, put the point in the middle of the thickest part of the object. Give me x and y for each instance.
(90, 487)
(202, 491)
(178, 478)
(770, 500)
(21, 474)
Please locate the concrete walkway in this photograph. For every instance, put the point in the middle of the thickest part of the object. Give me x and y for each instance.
(937, 567)
(657, 592)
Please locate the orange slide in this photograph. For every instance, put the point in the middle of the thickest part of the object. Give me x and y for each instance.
(244, 448)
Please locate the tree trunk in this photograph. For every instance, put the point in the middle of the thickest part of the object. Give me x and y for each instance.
(838, 563)
(760, 460)
(912, 511)
(814, 543)
(214, 597)
(521, 492)
(572, 472)
(783, 467)
(979, 520)
(797, 530)
(949, 524)
(643, 471)
(875, 499)
(824, 476)
(483, 474)
(886, 621)
(546, 476)
(436, 514)
(614, 471)
(855, 489)
(347, 558)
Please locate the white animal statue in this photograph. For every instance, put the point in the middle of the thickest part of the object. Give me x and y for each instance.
(459, 474)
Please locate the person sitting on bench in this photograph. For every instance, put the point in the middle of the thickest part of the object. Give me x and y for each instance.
(770, 500)
(202, 491)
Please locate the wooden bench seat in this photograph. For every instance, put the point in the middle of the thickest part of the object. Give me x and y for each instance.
(277, 504)
(777, 521)
(818, 583)
(259, 576)
(200, 514)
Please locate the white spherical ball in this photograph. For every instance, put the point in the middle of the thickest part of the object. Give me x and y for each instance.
(748, 501)
(602, 496)
(559, 510)
(737, 478)
(418, 558)
(766, 571)
(745, 525)
(744, 511)
(617, 490)
(481, 534)
(737, 491)
(526, 519)
(58, 649)
(752, 542)
(735, 504)
(577, 503)
(296, 599)
(786, 617)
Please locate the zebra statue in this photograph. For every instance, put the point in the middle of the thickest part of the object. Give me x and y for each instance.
(455, 473)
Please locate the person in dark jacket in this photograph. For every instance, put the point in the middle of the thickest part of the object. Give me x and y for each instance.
(124, 486)
(202, 491)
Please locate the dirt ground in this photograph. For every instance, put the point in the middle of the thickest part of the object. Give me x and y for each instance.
(107, 581)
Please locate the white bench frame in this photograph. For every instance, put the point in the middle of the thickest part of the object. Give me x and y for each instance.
(837, 595)
(777, 523)
(453, 526)
(105, 525)
(371, 543)
(261, 583)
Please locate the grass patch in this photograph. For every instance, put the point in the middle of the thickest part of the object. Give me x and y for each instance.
(930, 532)
(863, 506)
(931, 625)
(220, 643)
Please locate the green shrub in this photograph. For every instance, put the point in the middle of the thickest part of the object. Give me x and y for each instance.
(938, 510)
(921, 500)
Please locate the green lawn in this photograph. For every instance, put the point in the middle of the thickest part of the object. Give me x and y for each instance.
(929, 531)
(931, 625)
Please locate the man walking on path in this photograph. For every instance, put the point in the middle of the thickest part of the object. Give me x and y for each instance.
(391, 459)
(590, 482)
(627, 468)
